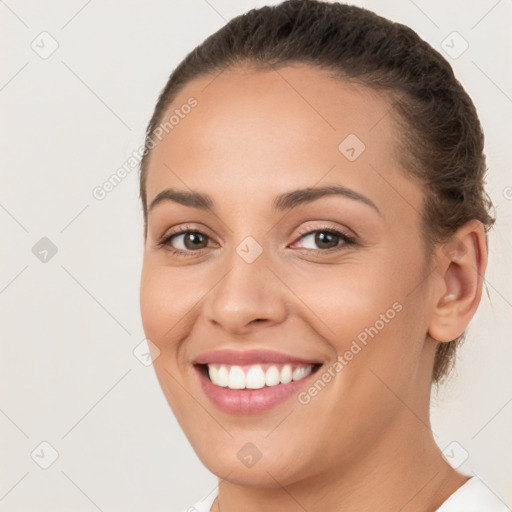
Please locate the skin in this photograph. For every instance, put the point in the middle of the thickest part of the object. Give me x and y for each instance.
(365, 441)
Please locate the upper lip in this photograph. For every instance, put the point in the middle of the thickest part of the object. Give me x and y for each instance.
(239, 357)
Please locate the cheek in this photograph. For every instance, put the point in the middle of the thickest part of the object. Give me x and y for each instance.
(165, 302)
(352, 297)
(367, 313)
(164, 311)
(154, 296)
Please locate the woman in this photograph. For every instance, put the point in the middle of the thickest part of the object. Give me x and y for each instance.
(315, 246)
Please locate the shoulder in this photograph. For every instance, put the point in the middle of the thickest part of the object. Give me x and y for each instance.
(474, 496)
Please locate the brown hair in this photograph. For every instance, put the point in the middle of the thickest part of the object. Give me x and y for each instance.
(445, 142)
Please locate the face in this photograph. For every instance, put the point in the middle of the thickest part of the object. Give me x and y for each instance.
(256, 283)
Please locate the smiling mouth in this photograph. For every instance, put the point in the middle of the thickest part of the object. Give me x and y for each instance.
(255, 376)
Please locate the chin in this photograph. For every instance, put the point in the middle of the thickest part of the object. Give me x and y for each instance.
(243, 463)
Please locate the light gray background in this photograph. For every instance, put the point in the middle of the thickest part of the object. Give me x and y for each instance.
(69, 325)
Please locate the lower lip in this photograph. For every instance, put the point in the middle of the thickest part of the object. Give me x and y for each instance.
(248, 401)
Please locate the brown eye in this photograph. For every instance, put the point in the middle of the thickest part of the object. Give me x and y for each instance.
(183, 242)
(325, 239)
(190, 240)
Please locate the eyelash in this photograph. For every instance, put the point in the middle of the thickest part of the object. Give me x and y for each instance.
(348, 240)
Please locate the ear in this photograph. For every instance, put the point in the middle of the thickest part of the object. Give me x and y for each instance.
(461, 269)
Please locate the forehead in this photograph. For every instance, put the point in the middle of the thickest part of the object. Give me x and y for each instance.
(266, 131)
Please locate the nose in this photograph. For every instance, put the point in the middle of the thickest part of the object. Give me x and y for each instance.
(248, 297)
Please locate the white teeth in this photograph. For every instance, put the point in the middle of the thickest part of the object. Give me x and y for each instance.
(213, 373)
(286, 374)
(234, 377)
(255, 378)
(272, 376)
(223, 377)
(301, 371)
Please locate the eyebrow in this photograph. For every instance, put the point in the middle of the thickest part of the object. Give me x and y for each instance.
(282, 202)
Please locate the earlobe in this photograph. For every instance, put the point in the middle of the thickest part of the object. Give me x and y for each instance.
(461, 267)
